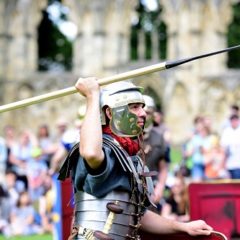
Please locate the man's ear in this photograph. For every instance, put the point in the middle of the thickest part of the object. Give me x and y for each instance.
(109, 113)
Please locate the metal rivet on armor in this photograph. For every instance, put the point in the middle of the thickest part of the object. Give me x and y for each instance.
(131, 119)
(134, 131)
(134, 214)
(114, 207)
(129, 237)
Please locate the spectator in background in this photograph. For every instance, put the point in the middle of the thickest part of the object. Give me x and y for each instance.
(46, 202)
(233, 110)
(214, 159)
(149, 109)
(158, 122)
(230, 141)
(36, 171)
(196, 147)
(3, 159)
(46, 144)
(177, 204)
(13, 187)
(21, 153)
(155, 148)
(10, 194)
(68, 137)
(4, 209)
(22, 218)
(198, 122)
(10, 140)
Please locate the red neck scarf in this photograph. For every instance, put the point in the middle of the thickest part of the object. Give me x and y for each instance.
(131, 146)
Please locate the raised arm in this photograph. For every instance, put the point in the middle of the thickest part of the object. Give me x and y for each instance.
(91, 130)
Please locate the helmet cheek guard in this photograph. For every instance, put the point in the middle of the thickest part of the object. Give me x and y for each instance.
(124, 123)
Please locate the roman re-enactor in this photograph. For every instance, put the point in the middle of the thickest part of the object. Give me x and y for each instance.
(112, 185)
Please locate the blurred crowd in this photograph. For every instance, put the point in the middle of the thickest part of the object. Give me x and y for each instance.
(211, 155)
(28, 161)
(205, 156)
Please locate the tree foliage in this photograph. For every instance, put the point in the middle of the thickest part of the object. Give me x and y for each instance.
(233, 38)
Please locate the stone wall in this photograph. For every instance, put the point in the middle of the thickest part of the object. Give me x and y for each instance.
(102, 49)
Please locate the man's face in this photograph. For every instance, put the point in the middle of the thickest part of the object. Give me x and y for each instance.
(149, 116)
(138, 110)
(157, 118)
(235, 123)
(61, 128)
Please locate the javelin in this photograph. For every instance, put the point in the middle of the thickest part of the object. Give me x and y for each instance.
(107, 80)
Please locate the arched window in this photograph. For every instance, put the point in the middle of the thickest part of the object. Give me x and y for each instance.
(55, 46)
(234, 37)
(162, 31)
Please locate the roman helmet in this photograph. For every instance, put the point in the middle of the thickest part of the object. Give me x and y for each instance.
(117, 97)
(150, 107)
(149, 103)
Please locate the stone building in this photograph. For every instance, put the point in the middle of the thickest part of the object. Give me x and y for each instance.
(101, 48)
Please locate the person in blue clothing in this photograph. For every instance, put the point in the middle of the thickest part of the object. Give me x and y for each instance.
(67, 139)
(3, 159)
(112, 185)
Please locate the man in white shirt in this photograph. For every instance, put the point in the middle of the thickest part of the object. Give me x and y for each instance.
(230, 140)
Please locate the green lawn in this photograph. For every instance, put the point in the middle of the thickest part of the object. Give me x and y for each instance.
(176, 156)
(32, 237)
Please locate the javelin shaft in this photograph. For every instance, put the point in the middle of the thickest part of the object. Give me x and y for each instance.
(108, 80)
(72, 90)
